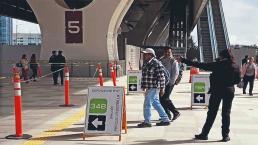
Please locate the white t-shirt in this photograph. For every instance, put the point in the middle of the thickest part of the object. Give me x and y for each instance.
(250, 70)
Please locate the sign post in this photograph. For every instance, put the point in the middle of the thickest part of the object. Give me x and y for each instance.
(200, 87)
(104, 111)
(134, 81)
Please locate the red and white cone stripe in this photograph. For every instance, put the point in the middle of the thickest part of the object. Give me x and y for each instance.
(100, 75)
(66, 76)
(18, 104)
(17, 89)
(17, 86)
(67, 87)
(100, 72)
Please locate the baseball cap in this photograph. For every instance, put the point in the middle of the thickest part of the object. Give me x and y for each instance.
(149, 50)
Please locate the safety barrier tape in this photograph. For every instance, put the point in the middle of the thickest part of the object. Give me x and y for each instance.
(67, 62)
(46, 75)
(1, 78)
(95, 73)
(29, 80)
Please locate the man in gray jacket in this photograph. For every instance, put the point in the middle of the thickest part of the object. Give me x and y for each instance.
(172, 66)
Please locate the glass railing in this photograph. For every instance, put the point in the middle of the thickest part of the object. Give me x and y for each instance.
(213, 39)
(224, 24)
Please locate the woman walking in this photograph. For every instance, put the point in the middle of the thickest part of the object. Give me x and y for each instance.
(34, 67)
(25, 67)
(249, 72)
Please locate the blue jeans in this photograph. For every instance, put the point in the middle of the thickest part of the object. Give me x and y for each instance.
(151, 98)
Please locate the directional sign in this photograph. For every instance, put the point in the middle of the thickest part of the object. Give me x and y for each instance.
(134, 81)
(199, 98)
(132, 87)
(98, 106)
(97, 122)
(200, 88)
(104, 110)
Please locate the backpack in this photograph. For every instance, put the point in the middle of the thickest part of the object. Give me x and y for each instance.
(166, 73)
(179, 77)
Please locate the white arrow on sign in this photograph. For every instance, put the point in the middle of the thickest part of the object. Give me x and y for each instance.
(132, 87)
(199, 98)
(96, 123)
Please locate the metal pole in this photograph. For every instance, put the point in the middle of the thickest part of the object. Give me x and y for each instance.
(16, 29)
(186, 33)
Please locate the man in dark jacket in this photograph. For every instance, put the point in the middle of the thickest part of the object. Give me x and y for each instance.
(61, 63)
(225, 73)
(244, 61)
(53, 61)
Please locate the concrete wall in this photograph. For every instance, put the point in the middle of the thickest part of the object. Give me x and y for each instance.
(100, 21)
(239, 53)
(11, 54)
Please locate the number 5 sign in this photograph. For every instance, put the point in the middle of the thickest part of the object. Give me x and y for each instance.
(73, 27)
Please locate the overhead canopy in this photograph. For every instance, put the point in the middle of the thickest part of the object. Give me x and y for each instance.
(20, 9)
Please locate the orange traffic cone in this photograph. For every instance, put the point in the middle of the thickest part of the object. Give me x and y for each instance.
(193, 71)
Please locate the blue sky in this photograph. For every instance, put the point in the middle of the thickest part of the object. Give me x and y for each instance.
(241, 19)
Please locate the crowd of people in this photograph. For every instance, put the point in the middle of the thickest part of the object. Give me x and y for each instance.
(225, 73)
(159, 76)
(27, 65)
(57, 62)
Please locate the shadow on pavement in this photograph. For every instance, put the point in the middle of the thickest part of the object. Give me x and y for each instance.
(184, 92)
(248, 97)
(70, 137)
(134, 122)
(75, 129)
(184, 108)
(175, 142)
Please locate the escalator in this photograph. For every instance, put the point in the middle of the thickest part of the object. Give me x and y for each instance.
(212, 31)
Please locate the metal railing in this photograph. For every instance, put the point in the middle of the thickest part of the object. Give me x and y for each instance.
(78, 68)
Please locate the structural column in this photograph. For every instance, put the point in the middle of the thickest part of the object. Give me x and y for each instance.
(88, 33)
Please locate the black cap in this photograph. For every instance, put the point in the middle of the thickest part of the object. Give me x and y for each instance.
(53, 52)
(60, 51)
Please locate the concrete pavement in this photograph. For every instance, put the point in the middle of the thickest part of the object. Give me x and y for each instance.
(50, 124)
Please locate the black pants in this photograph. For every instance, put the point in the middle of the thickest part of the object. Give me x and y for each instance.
(249, 79)
(166, 103)
(34, 73)
(55, 77)
(226, 95)
(61, 72)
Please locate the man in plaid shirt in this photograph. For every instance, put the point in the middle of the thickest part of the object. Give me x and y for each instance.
(153, 83)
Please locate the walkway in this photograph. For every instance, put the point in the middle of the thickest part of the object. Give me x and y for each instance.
(50, 124)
